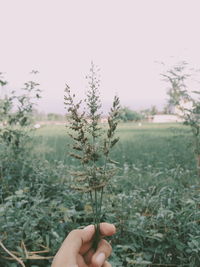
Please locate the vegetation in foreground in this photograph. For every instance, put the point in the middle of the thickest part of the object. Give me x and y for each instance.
(154, 201)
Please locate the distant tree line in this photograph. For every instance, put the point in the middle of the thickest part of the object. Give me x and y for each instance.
(127, 114)
(41, 116)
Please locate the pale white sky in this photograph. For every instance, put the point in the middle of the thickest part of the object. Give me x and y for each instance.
(123, 37)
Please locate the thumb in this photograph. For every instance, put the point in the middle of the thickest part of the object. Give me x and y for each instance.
(67, 254)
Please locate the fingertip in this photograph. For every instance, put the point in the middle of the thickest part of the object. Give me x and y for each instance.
(104, 251)
(107, 229)
(100, 259)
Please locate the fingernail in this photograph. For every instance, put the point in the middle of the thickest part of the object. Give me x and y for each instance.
(100, 258)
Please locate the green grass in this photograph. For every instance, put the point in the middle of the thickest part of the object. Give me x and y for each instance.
(153, 200)
(166, 145)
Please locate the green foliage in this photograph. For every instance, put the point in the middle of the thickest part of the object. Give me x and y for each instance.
(153, 110)
(36, 206)
(126, 114)
(15, 118)
(16, 115)
(154, 200)
(149, 144)
(161, 218)
(40, 212)
(55, 117)
(16, 110)
(3, 82)
(188, 102)
(176, 77)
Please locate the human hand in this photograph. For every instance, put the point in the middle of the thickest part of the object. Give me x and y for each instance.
(77, 251)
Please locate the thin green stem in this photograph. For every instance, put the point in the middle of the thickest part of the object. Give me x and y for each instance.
(92, 202)
(101, 200)
(96, 206)
(96, 238)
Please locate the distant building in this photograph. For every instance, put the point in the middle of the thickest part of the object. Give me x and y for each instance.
(104, 119)
(166, 118)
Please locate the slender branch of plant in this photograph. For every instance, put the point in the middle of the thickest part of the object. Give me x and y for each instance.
(91, 144)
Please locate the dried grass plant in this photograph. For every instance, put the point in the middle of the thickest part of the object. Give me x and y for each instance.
(91, 144)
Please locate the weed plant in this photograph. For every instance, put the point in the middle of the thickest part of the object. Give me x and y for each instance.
(91, 146)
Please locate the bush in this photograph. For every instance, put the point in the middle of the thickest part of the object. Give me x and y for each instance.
(127, 114)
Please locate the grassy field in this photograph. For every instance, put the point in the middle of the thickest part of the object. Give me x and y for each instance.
(153, 200)
(167, 145)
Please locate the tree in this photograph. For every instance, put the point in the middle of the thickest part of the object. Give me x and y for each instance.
(187, 102)
(126, 114)
(153, 110)
(55, 117)
(15, 128)
(2, 81)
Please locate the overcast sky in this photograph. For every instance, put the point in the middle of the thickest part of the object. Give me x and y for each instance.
(123, 37)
